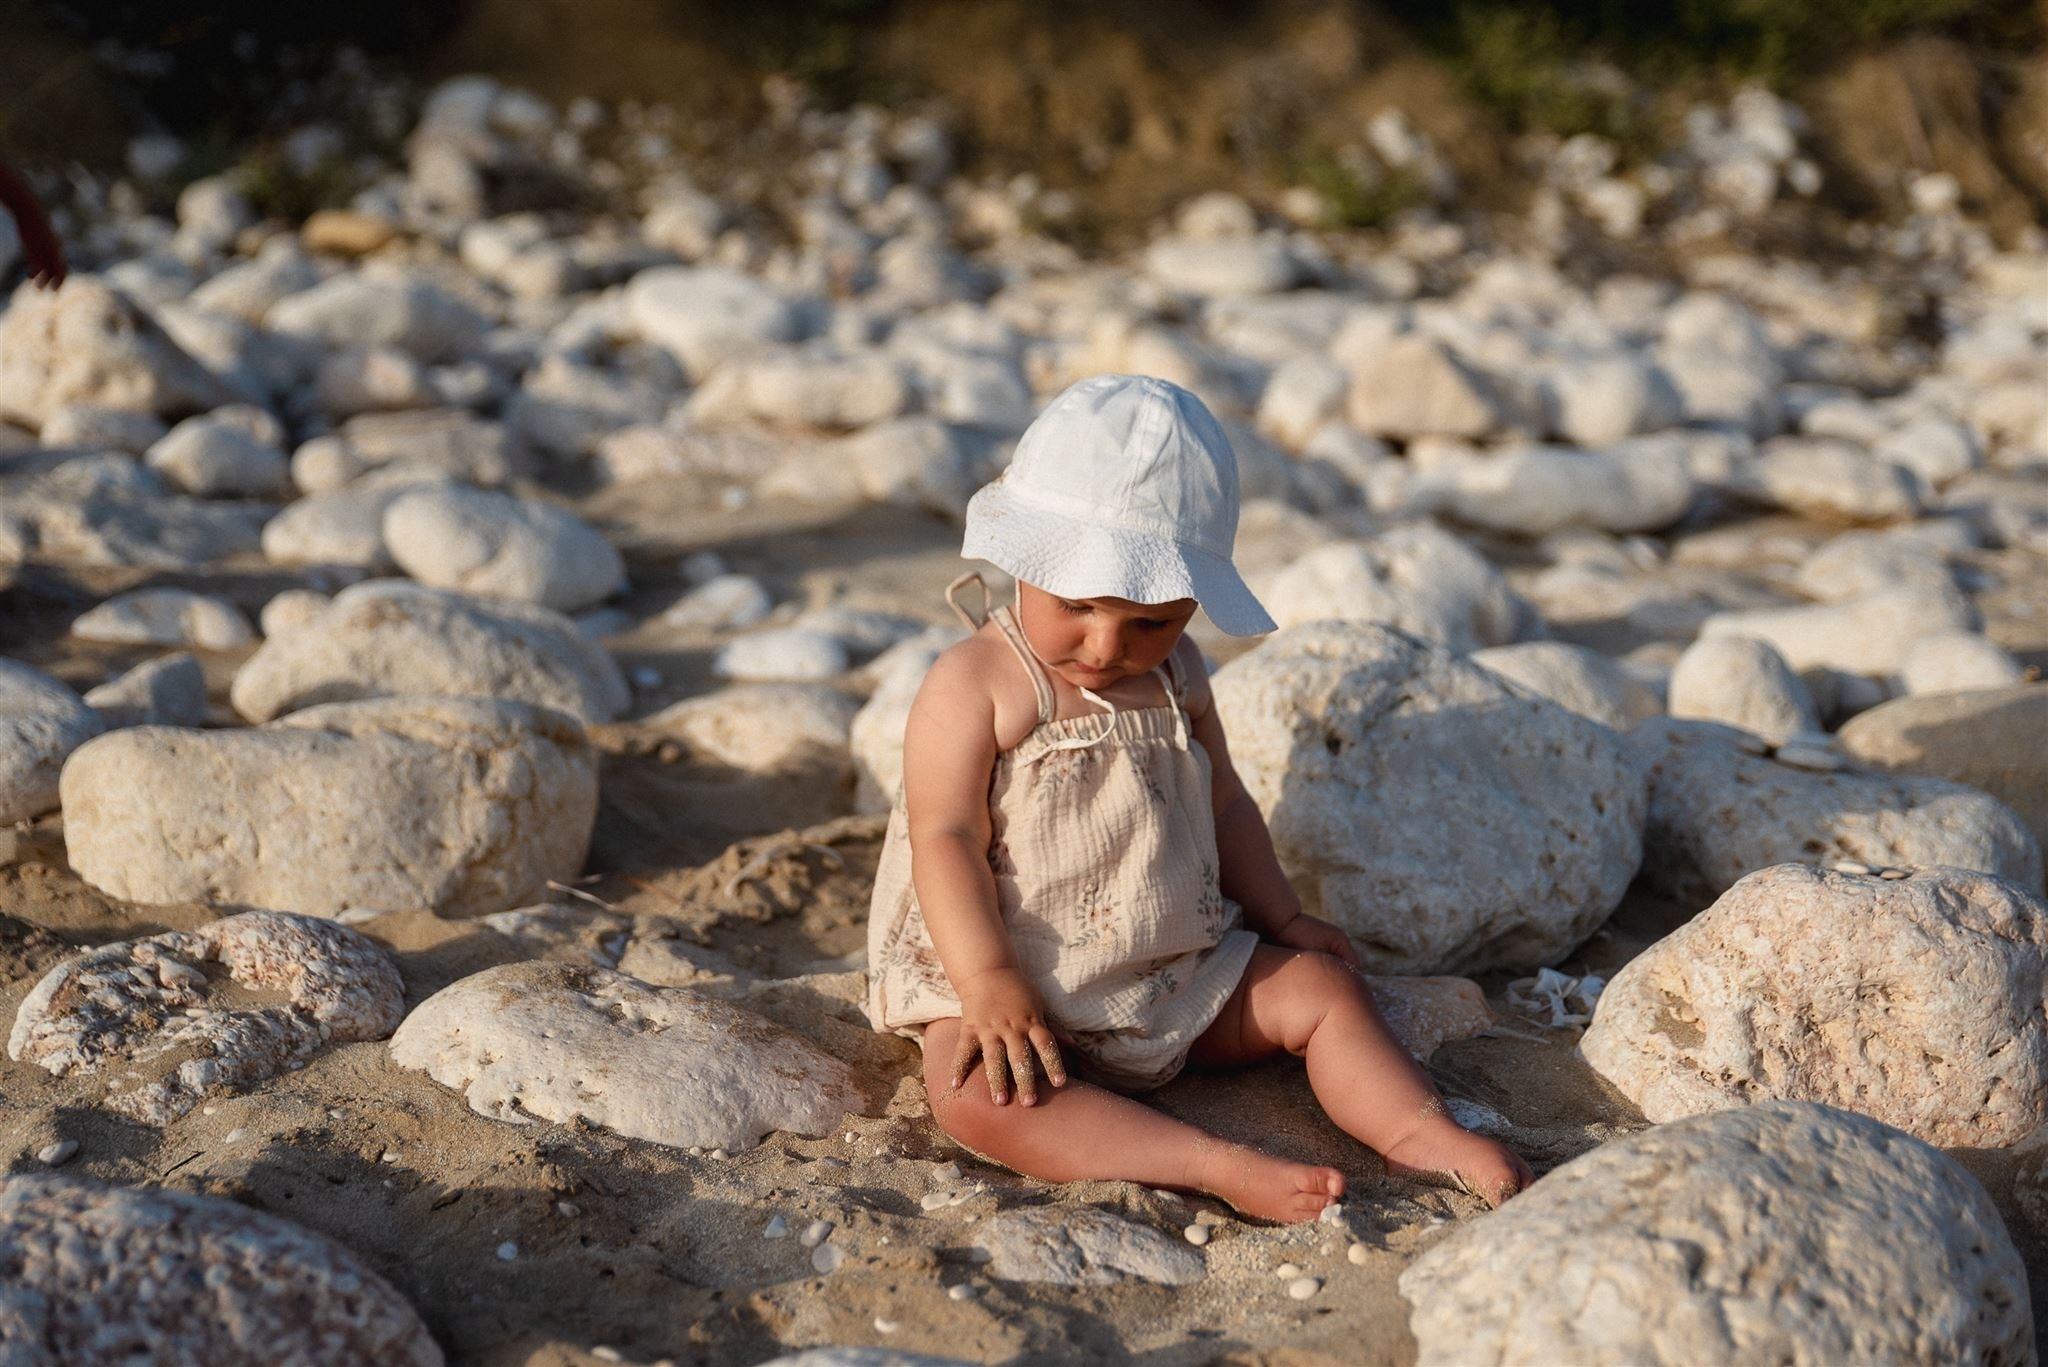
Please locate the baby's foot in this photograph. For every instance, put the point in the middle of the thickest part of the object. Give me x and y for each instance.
(1271, 1188)
(1443, 1154)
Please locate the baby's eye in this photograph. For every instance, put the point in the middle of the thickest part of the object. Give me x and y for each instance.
(1077, 609)
(1152, 624)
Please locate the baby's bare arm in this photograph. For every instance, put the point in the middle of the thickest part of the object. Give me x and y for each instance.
(1250, 875)
(949, 752)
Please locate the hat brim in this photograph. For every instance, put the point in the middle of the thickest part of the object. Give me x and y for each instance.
(1072, 558)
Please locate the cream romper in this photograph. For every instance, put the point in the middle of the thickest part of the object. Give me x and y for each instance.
(1103, 847)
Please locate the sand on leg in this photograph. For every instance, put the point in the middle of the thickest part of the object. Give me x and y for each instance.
(1080, 1131)
(1319, 1007)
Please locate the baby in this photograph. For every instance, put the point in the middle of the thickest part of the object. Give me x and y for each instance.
(1074, 874)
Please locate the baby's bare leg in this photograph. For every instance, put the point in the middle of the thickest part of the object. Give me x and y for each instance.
(1080, 1132)
(1320, 1008)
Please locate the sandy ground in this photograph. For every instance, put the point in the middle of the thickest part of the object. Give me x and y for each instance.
(657, 1253)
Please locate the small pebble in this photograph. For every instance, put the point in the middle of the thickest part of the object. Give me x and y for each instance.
(932, 1200)
(1810, 757)
(816, 1232)
(1358, 1253)
(507, 1251)
(849, 1136)
(568, 1210)
(1301, 1288)
(335, 1113)
(697, 1150)
(1196, 1234)
(1287, 1270)
(961, 1291)
(1209, 1217)
(887, 1326)
(717, 1153)
(1332, 1214)
(234, 1136)
(1894, 875)
(604, 1352)
(388, 1156)
(946, 1172)
(208, 1109)
(826, 1257)
(1852, 866)
(777, 1228)
(54, 1155)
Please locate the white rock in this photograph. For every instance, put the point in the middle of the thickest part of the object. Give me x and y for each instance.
(566, 408)
(1830, 480)
(1417, 577)
(1085, 1246)
(105, 510)
(1954, 661)
(1536, 490)
(1414, 386)
(766, 726)
(566, 1042)
(781, 653)
(212, 212)
(409, 313)
(1939, 450)
(1601, 400)
(1929, 985)
(345, 527)
(145, 1015)
(41, 722)
(87, 344)
(1386, 769)
(1909, 555)
(1575, 678)
(1304, 393)
(915, 461)
(808, 389)
(390, 637)
(1222, 266)
(89, 427)
(1301, 1288)
(1785, 1231)
(291, 608)
(482, 542)
(723, 603)
(455, 443)
(1743, 682)
(706, 315)
(1869, 634)
(1718, 814)
(165, 617)
(1966, 738)
(169, 691)
(459, 804)
(106, 1273)
(371, 380)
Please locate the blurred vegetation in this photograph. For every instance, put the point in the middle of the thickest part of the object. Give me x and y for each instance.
(816, 41)
(1355, 196)
(1550, 65)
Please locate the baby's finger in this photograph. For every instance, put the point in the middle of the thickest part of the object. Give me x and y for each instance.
(1049, 1051)
(963, 1059)
(1022, 1070)
(995, 1061)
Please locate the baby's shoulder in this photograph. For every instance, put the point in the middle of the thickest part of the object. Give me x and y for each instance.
(980, 677)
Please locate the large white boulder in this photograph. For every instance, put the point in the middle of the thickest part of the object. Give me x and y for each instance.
(805, 388)
(89, 344)
(567, 1042)
(706, 315)
(165, 617)
(1957, 662)
(94, 1274)
(105, 510)
(1222, 266)
(456, 804)
(146, 1016)
(455, 442)
(41, 722)
(1740, 681)
(1445, 819)
(1831, 480)
(1718, 813)
(390, 637)
(222, 455)
(1783, 1232)
(1916, 1000)
(1603, 399)
(1416, 576)
(483, 542)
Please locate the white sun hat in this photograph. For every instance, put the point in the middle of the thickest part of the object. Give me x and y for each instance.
(1124, 487)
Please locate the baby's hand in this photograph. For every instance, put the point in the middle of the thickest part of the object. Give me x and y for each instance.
(1002, 1019)
(1316, 935)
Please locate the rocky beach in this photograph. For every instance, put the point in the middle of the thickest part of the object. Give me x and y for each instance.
(455, 645)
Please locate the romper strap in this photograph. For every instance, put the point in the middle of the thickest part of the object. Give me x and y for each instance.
(972, 622)
(1042, 686)
(1177, 698)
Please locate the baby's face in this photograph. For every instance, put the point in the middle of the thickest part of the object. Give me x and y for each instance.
(1093, 642)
